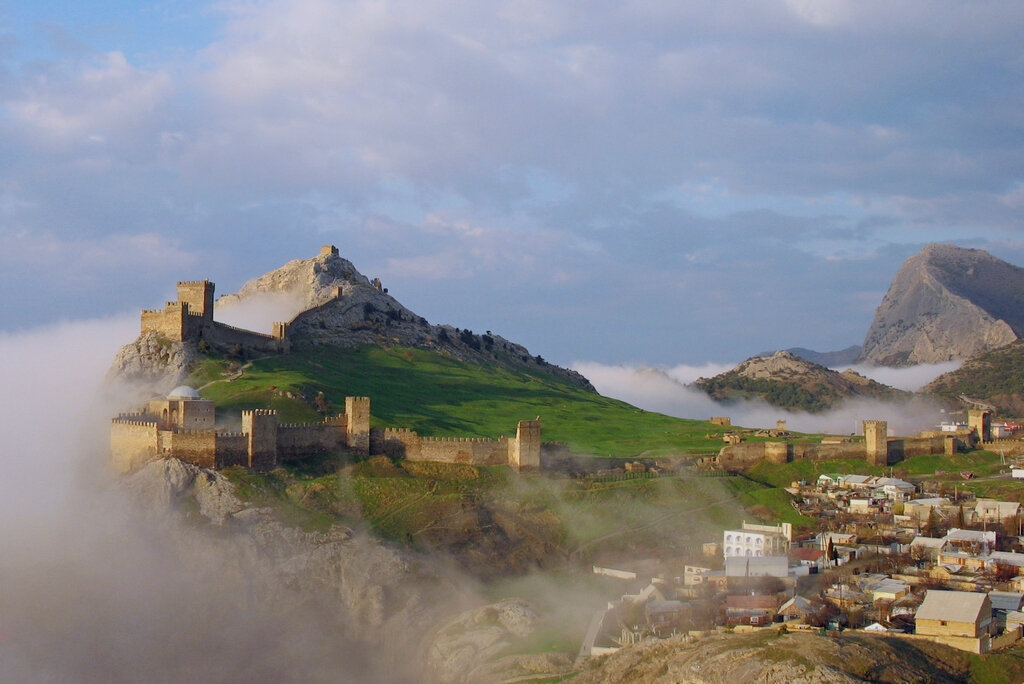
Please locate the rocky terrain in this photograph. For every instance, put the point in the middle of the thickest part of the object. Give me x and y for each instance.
(945, 303)
(341, 307)
(772, 658)
(789, 382)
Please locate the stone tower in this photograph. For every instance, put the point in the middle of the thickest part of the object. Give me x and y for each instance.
(980, 423)
(357, 413)
(524, 451)
(260, 429)
(198, 294)
(875, 442)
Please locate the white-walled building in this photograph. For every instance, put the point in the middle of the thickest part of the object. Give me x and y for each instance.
(755, 541)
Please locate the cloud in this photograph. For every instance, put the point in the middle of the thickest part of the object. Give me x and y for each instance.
(910, 379)
(260, 311)
(657, 390)
(685, 157)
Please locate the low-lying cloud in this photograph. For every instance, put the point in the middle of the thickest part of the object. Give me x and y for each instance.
(667, 391)
(100, 588)
(258, 312)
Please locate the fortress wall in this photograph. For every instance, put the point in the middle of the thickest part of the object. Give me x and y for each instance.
(906, 447)
(821, 452)
(740, 457)
(169, 322)
(198, 447)
(1007, 447)
(132, 443)
(402, 443)
(297, 440)
(232, 449)
(470, 451)
(222, 335)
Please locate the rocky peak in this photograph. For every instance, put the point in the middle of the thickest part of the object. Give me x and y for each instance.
(946, 302)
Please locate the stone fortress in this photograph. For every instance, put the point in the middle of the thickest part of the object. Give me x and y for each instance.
(183, 425)
(877, 447)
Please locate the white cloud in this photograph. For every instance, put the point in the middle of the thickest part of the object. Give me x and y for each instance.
(657, 390)
(910, 379)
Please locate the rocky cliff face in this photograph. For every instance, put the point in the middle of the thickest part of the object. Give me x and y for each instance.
(789, 382)
(356, 602)
(946, 303)
(152, 361)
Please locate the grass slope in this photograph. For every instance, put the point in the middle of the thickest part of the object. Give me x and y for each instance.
(441, 396)
(996, 376)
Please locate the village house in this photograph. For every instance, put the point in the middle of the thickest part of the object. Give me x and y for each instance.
(747, 609)
(796, 609)
(989, 510)
(956, 618)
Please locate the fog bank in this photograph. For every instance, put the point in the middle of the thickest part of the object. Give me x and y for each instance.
(664, 391)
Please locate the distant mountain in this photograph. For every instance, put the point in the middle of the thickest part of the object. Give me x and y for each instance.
(787, 381)
(829, 359)
(995, 377)
(946, 302)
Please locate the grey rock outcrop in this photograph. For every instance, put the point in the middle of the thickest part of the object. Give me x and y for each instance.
(469, 648)
(152, 361)
(946, 303)
(369, 598)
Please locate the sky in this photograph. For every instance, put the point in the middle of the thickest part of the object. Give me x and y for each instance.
(641, 182)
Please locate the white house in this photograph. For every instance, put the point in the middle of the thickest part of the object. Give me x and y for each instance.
(757, 540)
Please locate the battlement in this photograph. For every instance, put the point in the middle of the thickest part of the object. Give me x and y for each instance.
(462, 440)
(259, 412)
(137, 423)
(193, 283)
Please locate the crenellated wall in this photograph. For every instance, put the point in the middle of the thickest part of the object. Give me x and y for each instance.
(133, 443)
(263, 443)
(198, 447)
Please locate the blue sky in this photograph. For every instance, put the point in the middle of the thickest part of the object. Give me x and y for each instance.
(635, 182)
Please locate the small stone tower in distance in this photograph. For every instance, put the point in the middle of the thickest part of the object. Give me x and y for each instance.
(357, 413)
(875, 442)
(980, 423)
(524, 451)
(260, 428)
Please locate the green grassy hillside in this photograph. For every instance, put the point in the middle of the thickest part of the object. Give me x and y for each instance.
(996, 377)
(437, 395)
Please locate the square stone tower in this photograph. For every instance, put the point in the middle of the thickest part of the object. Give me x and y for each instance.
(260, 429)
(198, 294)
(980, 423)
(875, 442)
(524, 450)
(357, 414)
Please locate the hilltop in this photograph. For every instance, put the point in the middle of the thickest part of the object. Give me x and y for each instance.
(945, 303)
(334, 305)
(787, 381)
(995, 377)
